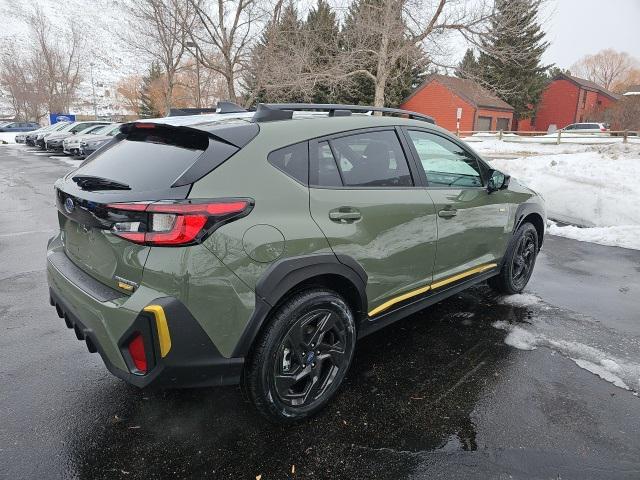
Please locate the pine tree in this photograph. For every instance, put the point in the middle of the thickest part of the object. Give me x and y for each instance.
(147, 105)
(277, 44)
(468, 66)
(322, 32)
(511, 57)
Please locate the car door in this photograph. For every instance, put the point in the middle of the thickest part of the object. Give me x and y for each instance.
(365, 198)
(472, 223)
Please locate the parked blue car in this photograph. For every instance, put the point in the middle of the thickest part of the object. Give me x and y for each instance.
(19, 127)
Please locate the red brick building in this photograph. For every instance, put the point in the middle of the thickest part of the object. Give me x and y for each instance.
(441, 96)
(570, 99)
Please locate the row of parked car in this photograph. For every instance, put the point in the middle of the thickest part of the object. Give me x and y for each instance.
(78, 139)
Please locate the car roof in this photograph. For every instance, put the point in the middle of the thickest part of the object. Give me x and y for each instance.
(303, 125)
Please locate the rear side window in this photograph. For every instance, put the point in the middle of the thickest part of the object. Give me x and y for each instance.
(292, 160)
(147, 159)
(372, 159)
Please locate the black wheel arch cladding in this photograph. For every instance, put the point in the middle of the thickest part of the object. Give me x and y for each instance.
(286, 274)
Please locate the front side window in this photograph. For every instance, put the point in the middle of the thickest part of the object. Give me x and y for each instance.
(372, 159)
(444, 162)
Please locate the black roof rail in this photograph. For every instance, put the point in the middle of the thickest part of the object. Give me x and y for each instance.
(229, 107)
(267, 112)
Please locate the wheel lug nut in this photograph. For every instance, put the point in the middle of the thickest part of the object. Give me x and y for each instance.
(313, 365)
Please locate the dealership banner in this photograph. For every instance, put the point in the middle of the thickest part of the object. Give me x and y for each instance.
(61, 117)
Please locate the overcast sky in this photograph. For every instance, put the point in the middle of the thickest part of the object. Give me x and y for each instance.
(579, 27)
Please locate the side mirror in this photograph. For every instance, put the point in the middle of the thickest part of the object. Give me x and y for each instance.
(497, 181)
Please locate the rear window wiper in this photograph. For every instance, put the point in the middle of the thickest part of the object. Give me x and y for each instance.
(87, 182)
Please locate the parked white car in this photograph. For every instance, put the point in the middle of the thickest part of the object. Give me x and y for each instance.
(588, 128)
(71, 144)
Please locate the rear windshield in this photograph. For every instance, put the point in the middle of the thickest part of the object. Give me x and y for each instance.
(146, 159)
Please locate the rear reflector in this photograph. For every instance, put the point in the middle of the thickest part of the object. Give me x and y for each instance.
(178, 223)
(137, 352)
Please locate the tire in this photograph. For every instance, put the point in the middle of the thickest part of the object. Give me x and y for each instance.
(519, 261)
(286, 378)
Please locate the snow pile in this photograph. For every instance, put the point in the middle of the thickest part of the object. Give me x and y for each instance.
(591, 186)
(521, 299)
(7, 137)
(490, 146)
(625, 236)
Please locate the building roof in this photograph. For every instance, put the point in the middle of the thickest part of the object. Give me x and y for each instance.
(587, 85)
(468, 90)
(632, 90)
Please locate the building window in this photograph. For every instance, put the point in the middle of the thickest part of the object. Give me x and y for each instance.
(584, 99)
(502, 124)
(483, 124)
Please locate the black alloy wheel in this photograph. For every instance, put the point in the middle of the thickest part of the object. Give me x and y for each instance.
(301, 356)
(524, 259)
(519, 261)
(310, 356)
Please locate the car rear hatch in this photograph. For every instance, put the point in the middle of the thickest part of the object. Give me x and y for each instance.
(146, 164)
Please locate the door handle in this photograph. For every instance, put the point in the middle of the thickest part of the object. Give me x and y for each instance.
(448, 213)
(345, 215)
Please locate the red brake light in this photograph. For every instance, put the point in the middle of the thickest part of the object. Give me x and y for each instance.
(175, 224)
(145, 125)
(137, 352)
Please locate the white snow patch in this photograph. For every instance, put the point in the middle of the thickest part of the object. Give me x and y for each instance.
(625, 236)
(8, 137)
(602, 371)
(521, 299)
(517, 337)
(609, 366)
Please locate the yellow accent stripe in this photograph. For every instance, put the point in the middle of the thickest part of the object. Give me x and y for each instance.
(163, 328)
(464, 274)
(125, 286)
(399, 299)
(389, 303)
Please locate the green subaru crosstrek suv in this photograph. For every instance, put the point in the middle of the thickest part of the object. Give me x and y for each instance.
(255, 248)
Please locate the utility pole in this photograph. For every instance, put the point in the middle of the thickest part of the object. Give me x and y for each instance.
(198, 99)
(93, 89)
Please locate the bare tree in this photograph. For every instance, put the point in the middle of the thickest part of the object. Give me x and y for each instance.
(160, 35)
(44, 74)
(383, 34)
(128, 91)
(222, 35)
(606, 68)
(55, 59)
(25, 89)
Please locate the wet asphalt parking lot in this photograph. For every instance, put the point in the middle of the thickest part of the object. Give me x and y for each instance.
(438, 395)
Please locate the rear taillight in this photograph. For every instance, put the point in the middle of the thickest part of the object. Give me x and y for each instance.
(137, 352)
(603, 129)
(179, 223)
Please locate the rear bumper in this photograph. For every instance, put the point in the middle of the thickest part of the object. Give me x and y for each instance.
(107, 326)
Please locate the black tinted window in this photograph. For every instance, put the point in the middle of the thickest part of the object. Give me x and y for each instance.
(146, 159)
(372, 159)
(292, 160)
